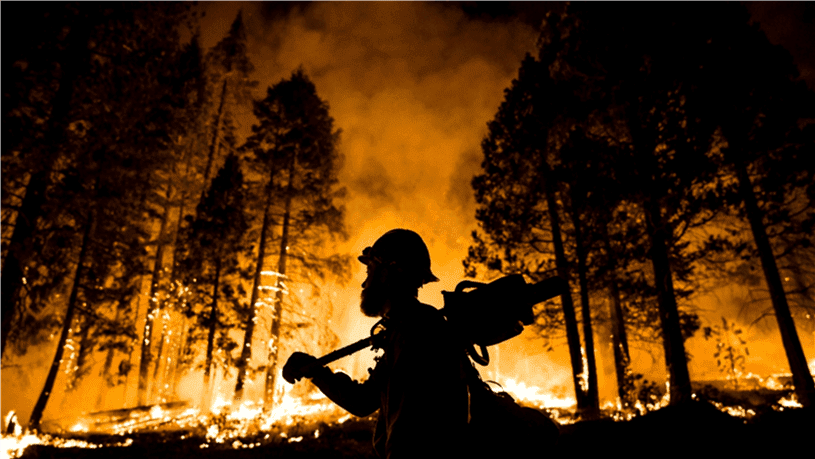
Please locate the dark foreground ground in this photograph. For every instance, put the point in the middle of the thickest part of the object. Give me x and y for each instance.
(695, 430)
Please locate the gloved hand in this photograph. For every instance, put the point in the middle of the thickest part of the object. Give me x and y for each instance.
(293, 369)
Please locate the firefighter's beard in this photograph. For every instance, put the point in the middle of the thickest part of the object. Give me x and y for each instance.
(373, 299)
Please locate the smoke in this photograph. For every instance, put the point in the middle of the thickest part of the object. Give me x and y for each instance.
(411, 86)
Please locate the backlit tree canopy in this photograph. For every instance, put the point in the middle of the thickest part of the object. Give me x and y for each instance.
(633, 144)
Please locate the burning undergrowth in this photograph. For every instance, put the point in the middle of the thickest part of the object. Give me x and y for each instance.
(311, 425)
(177, 425)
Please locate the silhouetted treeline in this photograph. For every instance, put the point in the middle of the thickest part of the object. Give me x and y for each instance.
(645, 151)
(138, 227)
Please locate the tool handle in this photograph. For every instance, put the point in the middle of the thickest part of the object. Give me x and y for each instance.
(338, 354)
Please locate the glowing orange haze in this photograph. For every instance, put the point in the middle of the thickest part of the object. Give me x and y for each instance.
(412, 100)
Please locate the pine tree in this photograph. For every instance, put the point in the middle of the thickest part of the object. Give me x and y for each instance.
(758, 105)
(294, 144)
(228, 87)
(187, 83)
(218, 235)
(519, 205)
(26, 118)
(229, 69)
(656, 115)
(100, 187)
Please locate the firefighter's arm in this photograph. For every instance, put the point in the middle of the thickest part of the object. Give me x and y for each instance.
(359, 399)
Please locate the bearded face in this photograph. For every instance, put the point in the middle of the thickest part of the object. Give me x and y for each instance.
(373, 299)
(375, 292)
(384, 284)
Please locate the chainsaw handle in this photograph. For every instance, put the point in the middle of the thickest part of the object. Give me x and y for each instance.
(483, 359)
(376, 340)
(468, 284)
(326, 359)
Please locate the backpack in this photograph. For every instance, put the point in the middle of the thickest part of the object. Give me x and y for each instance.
(486, 315)
(500, 427)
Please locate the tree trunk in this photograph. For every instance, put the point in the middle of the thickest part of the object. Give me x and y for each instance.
(155, 386)
(593, 398)
(206, 399)
(274, 340)
(181, 352)
(619, 338)
(801, 377)
(105, 374)
(173, 365)
(153, 309)
(36, 414)
(572, 334)
(75, 59)
(82, 351)
(216, 141)
(110, 355)
(246, 351)
(673, 343)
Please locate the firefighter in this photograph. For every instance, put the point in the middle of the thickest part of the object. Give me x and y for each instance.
(418, 384)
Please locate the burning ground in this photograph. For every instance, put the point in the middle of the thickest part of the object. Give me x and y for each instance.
(763, 416)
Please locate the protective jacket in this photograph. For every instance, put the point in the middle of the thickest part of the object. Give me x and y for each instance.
(418, 385)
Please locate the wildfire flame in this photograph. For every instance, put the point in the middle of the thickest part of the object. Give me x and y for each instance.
(789, 402)
(14, 443)
(248, 426)
(536, 396)
(248, 418)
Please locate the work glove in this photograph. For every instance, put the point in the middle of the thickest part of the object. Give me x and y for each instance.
(293, 369)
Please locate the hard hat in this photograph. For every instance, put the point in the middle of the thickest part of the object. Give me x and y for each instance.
(405, 249)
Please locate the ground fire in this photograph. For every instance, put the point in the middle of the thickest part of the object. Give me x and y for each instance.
(304, 419)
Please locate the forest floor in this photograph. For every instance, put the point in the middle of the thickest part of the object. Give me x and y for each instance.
(698, 428)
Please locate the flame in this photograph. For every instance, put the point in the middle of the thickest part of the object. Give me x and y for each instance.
(239, 426)
(156, 412)
(536, 396)
(245, 411)
(789, 402)
(13, 445)
(218, 405)
(735, 411)
(583, 377)
(290, 408)
(243, 426)
(212, 432)
(79, 427)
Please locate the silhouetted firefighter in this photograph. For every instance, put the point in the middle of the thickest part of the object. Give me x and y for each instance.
(431, 400)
